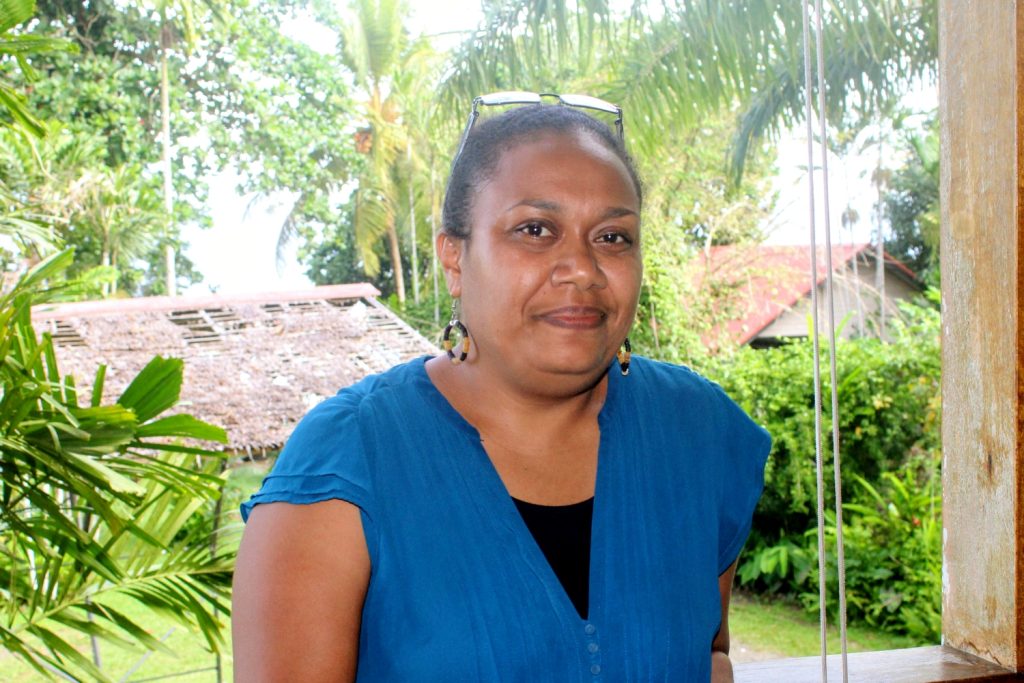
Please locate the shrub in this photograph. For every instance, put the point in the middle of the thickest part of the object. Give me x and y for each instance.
(893, 547)
(889, 429)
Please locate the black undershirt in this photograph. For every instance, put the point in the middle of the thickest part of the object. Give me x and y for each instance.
(563, 534)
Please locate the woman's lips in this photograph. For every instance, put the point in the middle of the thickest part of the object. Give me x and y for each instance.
(574, 317)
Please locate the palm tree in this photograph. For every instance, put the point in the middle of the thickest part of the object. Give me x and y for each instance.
(117, 206)
(375, 47)
(174, 14)
(672, 67)
(62, 191)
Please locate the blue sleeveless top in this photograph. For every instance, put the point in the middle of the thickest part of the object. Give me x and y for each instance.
(459, 589)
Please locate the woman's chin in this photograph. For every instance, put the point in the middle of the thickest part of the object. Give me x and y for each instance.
(573, 362)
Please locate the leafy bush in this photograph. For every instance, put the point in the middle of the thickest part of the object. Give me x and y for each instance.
(893, 547)
(889, 428)
(888, 409)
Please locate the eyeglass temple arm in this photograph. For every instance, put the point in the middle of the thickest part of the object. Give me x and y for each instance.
(473, 115)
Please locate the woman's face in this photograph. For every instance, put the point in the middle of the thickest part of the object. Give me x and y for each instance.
(550, 275)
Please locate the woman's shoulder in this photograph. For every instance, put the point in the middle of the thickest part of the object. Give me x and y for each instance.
(342, 419)
(666, 386)
(401, 382)
(663, 376)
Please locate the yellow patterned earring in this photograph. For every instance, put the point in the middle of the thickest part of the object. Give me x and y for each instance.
(623, 355)
(446, 339)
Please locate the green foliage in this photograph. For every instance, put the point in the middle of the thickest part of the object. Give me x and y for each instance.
(243, 96)
(892, 540)
(893, 547)
(14, 111)
(93, 500)
(889, 424)
(690, 205)
(674, 63)
(912, 204)
(89, 180)
(18, 220)
(111, 215)
(888, 406)
(288, 129)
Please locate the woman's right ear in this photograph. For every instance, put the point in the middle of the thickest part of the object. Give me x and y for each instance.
(449, 253)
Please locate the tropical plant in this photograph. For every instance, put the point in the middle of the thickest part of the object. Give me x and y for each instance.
(20, 47)
(119, 210)
(912, 203)
(888, 410)
(95, 499)
(889, 407)
(677, 62)
(109, 214)
(893, 543)
(389, 70)
(17, 219)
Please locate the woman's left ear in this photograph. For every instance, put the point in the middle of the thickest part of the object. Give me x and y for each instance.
(449, 252)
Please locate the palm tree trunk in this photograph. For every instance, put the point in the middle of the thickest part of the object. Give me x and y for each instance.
(105, 261)
(433, 241)
(412, 230)
(880, 244)
(396, 261)
(165, 137)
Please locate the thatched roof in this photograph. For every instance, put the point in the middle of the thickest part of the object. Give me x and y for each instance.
(254, 363)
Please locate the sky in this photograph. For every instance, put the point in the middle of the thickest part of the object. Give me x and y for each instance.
(239, 253)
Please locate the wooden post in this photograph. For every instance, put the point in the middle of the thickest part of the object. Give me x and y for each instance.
(981, 86)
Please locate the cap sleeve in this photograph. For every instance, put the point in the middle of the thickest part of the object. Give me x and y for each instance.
(323, 459)
(741, 477)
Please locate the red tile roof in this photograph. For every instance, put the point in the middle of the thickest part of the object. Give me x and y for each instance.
(774, 278)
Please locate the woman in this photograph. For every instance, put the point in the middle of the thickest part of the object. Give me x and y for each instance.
(533, 513)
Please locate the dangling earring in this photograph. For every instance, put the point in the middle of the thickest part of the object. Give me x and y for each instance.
(446, 339)
(623, 355)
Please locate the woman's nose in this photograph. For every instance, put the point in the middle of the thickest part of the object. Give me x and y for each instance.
(576, 263)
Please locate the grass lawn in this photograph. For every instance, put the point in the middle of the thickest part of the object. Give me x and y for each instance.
(780, 630)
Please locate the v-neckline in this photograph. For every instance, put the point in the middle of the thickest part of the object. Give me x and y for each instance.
(505, 506)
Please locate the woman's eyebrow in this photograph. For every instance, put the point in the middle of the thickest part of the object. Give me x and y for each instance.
(555, 207)
(618, 212)
(542, 204)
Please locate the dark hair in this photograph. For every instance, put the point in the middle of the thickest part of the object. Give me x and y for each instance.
(489, 139)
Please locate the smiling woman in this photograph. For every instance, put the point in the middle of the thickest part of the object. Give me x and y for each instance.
(529, 514)
(553, 264)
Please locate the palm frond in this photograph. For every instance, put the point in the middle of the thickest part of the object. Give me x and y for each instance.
(873, 52)
(14, 12)
(671, 68)
(98, 502)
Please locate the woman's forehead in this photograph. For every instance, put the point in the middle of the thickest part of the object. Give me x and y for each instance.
(567, 157)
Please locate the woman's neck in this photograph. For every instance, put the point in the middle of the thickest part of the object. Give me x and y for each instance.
(544, 447)
(502, 403)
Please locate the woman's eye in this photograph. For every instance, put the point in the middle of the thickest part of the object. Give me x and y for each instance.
(615, 238)
(535, 230)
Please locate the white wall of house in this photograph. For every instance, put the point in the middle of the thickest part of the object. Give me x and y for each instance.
(856, 302)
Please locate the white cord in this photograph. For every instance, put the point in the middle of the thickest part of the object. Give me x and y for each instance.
(830, 297)
(808, 112)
